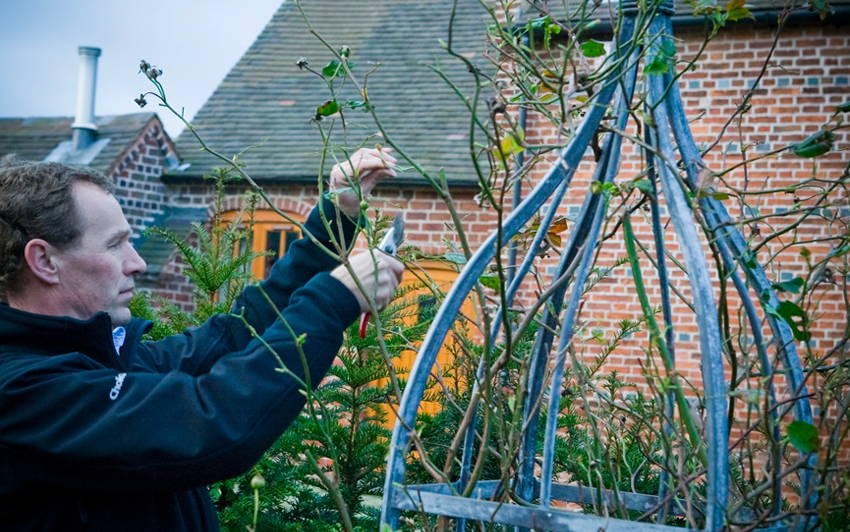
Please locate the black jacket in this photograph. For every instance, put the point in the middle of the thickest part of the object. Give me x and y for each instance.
(92, 440)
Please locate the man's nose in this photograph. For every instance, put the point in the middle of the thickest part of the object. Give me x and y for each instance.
(135, 263)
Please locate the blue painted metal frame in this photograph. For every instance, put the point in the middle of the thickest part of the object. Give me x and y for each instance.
(666, 107)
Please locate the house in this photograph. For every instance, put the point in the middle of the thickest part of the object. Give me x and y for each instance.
(265, 111)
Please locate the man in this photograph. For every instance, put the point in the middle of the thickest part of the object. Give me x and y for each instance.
(96, 434)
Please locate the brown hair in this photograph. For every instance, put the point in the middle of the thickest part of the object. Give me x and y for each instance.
(36, 202)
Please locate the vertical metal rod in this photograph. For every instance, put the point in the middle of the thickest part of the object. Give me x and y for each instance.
(706, 312)
(664, 285)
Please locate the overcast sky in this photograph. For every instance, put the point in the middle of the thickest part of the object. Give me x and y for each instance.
(194, 42)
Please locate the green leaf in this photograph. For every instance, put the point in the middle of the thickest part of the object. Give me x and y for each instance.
(457, 258)
(793, 286)
(740, 13)
(592, 48)
(663, 58)
(720, 195)
(816, 145)
(595, 187)
(844, 108)
(511, 144)
(655, 67)
(735, 10)
(490, 281)
(643, 185)
(331, 69)
(794, 316)
(334, 69)
(328, 108)
(821, 6)
(803, 436)
(703, 7)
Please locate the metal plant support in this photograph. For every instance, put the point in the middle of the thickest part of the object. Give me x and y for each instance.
(668, 118)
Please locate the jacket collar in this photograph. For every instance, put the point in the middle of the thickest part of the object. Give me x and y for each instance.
(53, 335)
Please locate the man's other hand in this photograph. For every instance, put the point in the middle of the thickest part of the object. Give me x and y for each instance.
(379, 277)
(368, 167)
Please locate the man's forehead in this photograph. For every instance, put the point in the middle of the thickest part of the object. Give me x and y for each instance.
(98, 208)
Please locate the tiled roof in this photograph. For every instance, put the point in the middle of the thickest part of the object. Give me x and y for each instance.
(34, 138)
(154, 248)
(266, 102)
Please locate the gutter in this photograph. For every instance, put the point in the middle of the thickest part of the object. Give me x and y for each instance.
(767, 18)
(407, 182)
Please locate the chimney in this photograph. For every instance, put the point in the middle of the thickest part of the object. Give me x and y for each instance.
(84, 126)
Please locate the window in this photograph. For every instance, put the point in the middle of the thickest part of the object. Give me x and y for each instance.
(270, 233)
(442, 275)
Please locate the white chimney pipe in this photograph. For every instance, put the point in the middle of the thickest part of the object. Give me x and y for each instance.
(84, 126)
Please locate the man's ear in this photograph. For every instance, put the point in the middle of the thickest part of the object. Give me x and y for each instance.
(41, 260)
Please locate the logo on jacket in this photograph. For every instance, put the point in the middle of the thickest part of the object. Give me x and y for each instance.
(119, 382)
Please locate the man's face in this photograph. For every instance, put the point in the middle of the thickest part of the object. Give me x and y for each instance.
(96, 270)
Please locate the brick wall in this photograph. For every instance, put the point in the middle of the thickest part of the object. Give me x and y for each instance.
(137, 173)
(806, 79)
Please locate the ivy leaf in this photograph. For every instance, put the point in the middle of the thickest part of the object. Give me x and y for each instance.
(803, 436)
(592, 48)
(328, 108)
(843, 108)
(457, 258)
(794, 316)
(490, 281)
(793, 286)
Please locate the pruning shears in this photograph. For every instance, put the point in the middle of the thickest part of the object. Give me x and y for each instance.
(389, 245)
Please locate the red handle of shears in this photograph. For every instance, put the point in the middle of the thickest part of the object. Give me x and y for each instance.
(364, 322)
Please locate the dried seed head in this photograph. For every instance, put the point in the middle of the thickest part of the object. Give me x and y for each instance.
(140, 101)
(302, 63)
(144, 66)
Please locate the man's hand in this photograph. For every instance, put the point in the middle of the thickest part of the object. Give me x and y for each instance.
(368, 167)
(379, 277)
